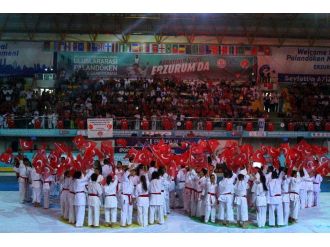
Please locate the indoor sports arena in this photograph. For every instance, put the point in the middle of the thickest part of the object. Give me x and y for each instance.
(164, 123)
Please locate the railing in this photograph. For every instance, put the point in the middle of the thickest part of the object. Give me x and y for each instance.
(166, 123)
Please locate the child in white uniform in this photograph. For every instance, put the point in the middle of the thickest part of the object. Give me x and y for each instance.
(110, 200)
(142, 201)
(94, 201)
(240, 201)
(211, 201)
(261, 200)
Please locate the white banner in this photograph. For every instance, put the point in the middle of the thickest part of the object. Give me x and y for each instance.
(296, 64)
(99, 127)
(24, 58)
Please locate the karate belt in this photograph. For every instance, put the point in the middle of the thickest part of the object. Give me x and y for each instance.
(117, 188)
(144, 195)
(47, 182)
(211, 196)
(80, 192)
(277, 195)
(72, 192)
(129, 198)
(316, 183)
(229, 193)
(111, 195)
(25, 178)
(190, 190)
(93, 194)
(37, 180)
(64, 189)
(292, 192)
(182, 181)
(196, 195)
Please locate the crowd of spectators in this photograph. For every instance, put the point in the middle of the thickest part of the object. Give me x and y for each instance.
(154, 99)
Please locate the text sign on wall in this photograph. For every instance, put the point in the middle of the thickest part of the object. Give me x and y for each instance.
(99, 127)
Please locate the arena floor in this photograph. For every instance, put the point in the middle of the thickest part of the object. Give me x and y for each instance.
(16, 217)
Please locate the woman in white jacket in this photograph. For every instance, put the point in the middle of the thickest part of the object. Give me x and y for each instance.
(142, 201)
(110, 200)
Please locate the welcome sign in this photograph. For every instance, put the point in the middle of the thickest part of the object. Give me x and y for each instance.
(296, 64)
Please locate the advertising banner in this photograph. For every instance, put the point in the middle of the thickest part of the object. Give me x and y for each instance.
(98, 65)
(296, 64)
(24, 58)
(100, 127)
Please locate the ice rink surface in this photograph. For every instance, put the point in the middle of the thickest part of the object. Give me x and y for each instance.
(16, 217)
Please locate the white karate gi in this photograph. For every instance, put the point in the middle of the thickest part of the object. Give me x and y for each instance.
(240, 200)
(23, 182)
(172, 194)
(188, 191)
(94, 203)
(142, 202)
(275, 202)
(110, 201)
(106, 170)
(210, 201)
(226, 190)
(79, 187)
(317, 180)
(261, 204)
(126, 200)
(200, 190)
(64, 197)
(72, 213)
(165, 192)
(294, 189)
(309, 190)
(36, 186)
(119, 174)
(285, 199)
(193, 195)
(303, 192)
(156, 202)
(180, 183)
(47, 181)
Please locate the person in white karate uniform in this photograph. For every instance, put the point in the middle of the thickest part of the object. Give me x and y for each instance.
(142, 201)
(309, 189)
(317, 180)
(127, 188)
(79, 187)
(64, 197)
(152, 169)
(163, 176)
(285, 196)
(240, 190)
(48, 179)
(303, 189)
(180, 183)
(94, 201)
(294, 189)
(275, 200)
(226, 190)
(261, 191)
(36, 187)
(110, 200)
(106, 168)
(193, 195)
(200, 190)
(119, 172)
(156, 200)
(188, 189)
(256, 180)
(23, 180)
(72, 213)
(211, 201)
(172, 194)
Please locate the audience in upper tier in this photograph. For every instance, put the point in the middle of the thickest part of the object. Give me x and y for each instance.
(156, 99)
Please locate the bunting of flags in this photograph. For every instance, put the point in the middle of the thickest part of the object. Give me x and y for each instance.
(194, 49)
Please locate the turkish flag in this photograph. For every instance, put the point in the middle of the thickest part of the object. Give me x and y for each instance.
(79, 141)
(121, 142)
(107, 148)
(61, 148)
(6, 158)
(213, 145)
(258, 156)
(25, 145)
(131, 153)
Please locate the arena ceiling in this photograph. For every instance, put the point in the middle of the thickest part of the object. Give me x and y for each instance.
(297, 26)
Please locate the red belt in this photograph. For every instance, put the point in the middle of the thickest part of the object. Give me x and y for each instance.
(111, 195)
(129, 198)
(72, 192)
(92, 194)
(156, 193)
(146, 195)
(277, 195)
(211, 194)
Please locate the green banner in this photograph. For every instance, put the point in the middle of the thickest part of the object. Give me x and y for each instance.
(164, 65)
